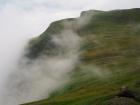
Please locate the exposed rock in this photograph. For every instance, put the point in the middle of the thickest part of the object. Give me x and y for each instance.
(123, 101)
(125, 92)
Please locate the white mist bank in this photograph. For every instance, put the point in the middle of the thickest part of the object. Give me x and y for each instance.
(30, 82)
(18, 26)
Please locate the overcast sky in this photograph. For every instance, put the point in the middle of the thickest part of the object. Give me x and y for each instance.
(31, 17)
(22, 19)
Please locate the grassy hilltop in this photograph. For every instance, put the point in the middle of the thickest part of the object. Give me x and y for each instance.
(110, 45)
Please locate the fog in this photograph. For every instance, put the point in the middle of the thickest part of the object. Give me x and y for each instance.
(21, 21)
(30, 82)
(17, 81)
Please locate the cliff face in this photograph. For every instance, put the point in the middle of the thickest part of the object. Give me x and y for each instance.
(109, 56)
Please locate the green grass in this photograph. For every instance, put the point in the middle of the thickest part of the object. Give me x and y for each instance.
(111, 45)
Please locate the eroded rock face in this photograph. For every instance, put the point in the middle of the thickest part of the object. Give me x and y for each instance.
(123, 101)
(126, 92)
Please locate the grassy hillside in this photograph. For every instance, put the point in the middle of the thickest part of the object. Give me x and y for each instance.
(110, 46)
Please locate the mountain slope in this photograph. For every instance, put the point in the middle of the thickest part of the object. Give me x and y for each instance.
(109, 57)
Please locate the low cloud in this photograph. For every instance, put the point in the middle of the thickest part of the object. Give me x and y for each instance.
(39, 78)
(21, 20)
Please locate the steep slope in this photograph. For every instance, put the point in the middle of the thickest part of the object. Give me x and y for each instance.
(109, 57)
